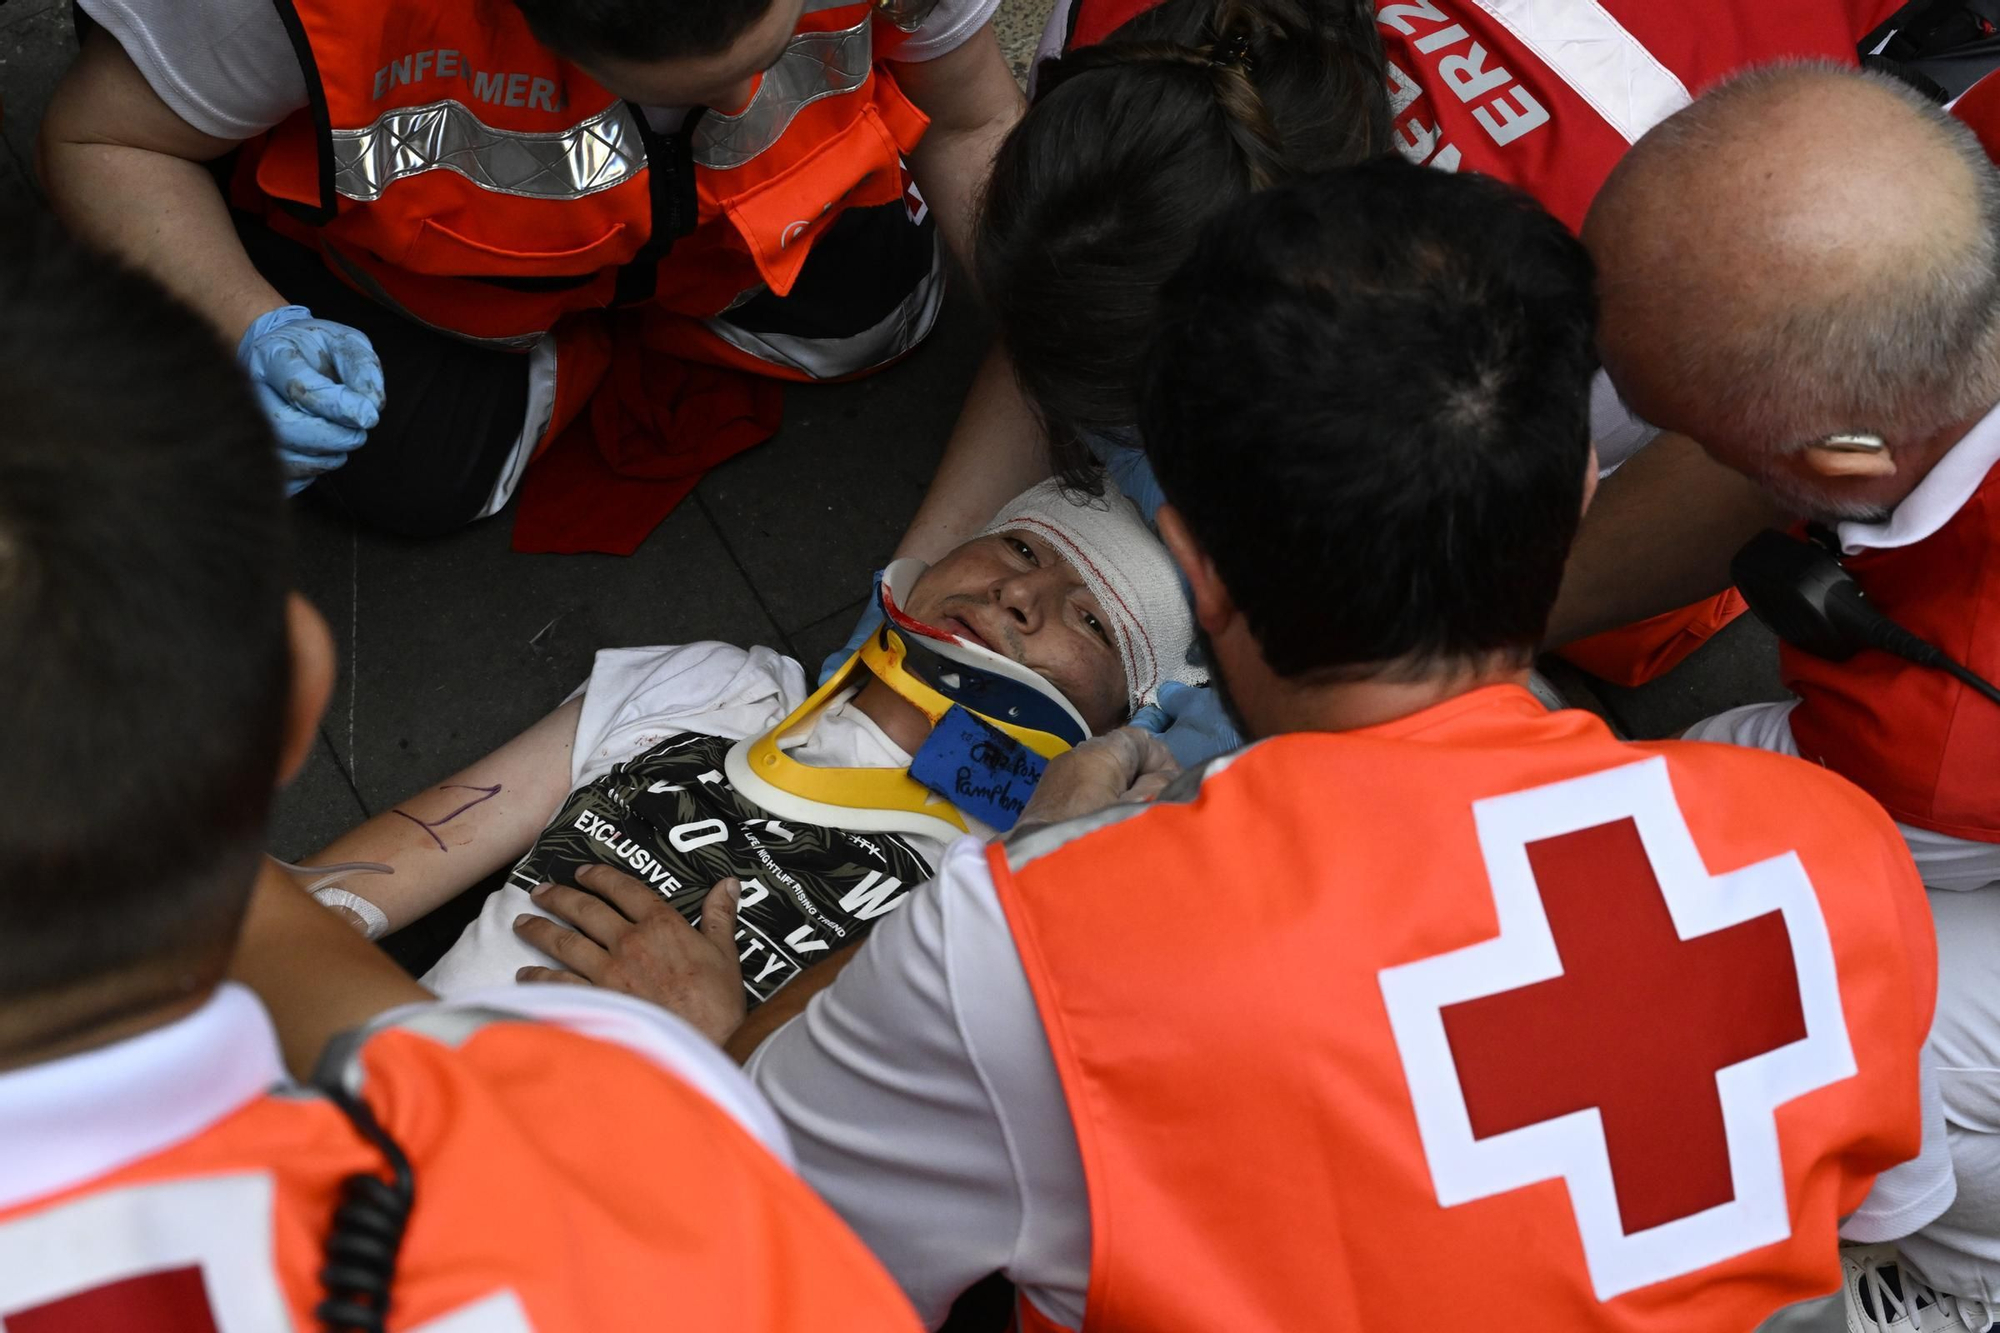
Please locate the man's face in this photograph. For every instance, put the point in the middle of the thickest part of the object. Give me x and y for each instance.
(723, 81)
(1013, 594)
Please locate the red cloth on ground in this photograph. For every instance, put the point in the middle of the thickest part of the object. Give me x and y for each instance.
(1648, 649)
(653, 428)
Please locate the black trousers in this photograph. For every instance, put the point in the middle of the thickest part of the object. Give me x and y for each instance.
(455, 409)
(453, 413)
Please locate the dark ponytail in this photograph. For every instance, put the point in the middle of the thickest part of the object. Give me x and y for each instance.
(1130, 147)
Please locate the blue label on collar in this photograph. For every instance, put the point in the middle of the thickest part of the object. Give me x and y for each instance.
(979, 768)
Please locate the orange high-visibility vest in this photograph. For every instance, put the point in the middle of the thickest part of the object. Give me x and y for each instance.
(562, 1184)
(1612, 1034)
(456, 169)
(1920, 741)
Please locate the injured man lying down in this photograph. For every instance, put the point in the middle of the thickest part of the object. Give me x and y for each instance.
(685, 765)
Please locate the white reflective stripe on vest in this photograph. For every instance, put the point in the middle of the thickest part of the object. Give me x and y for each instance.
(605, 151)
(815, 65)
(1606, 65)
(831, 358)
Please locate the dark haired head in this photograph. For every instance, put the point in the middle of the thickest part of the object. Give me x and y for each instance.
(144, 665)
(1369, 401)
(639, 30)
(1131, 145)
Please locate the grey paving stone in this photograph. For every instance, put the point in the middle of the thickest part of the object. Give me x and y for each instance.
(820, 638)
(1737, 666)
(450, 648)
(812, 511)
(324, 561)
(16, 191)
(37, 43)
(315, 808)
(1018, 24)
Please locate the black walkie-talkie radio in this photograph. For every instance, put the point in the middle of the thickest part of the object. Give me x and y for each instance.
(1810, 601)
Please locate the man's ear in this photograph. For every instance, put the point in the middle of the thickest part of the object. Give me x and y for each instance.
(1828, 461)
(1214, 608)
(313, 668)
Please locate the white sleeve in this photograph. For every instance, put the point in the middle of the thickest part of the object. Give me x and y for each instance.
(1054, 34)
(638, 697)
(924, 1104)
(226, 67)
(1910, 1194)
(1616, 432)
(945, 29)
(649, 1031)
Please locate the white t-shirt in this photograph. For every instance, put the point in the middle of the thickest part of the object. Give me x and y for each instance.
(650, 797)
(227, 67)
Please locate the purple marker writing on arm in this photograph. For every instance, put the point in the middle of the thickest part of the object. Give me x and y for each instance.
(431, 826)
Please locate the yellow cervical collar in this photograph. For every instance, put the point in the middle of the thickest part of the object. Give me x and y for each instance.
(864, 800)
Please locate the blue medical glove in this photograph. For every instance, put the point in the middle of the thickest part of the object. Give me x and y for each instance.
(319, 383)
(1124, 459)
(871, 620)
(1192, 721)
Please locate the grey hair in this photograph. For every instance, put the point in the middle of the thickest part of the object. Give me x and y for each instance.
(1903, 356)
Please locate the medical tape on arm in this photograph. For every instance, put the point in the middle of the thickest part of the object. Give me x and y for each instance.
(327, 891)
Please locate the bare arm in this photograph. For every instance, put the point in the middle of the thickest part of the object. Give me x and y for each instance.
(448, 837)
(787, 1003)
(1658, 537)
(972, 101)
(996, 451)
(125, 171)
(316, 976)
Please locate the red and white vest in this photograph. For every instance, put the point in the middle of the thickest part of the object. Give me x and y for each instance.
(563, 1185)
(1614, 1034)
(1919, 741)
(1548, 94)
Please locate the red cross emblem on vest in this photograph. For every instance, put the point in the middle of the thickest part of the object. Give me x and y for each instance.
(188, 1255)
(1631, 1030)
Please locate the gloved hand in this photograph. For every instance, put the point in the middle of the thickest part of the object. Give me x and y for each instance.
(1124, 460)
(871, 620)
(1192, 721)
(319, 382)
(1125, 766)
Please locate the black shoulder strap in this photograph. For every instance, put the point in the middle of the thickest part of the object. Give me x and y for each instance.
(295, 28)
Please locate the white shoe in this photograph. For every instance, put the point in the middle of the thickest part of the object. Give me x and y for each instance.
(1885, 1297)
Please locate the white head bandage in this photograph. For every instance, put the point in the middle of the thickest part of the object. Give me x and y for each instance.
(1126, 568)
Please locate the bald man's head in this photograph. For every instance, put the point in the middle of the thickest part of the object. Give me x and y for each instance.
(1804, 251)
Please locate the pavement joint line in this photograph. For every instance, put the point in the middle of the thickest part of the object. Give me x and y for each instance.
(23, 170)
(728, 549)
(850, 608)
(26, 14)
(853, 608)
(354, 661)
(345, 776)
